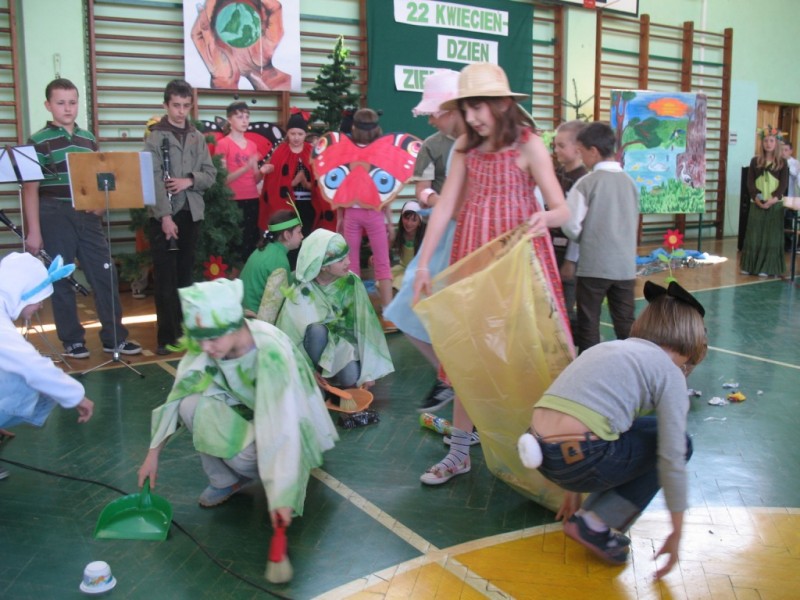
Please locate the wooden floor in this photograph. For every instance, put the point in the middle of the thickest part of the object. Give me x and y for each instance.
(370, 530)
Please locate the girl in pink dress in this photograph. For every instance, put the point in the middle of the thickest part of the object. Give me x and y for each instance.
(495, 167)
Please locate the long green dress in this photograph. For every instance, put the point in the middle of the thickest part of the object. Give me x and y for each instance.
(762, 251)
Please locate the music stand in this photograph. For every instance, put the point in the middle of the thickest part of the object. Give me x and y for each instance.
(20, 164)
(106, 180)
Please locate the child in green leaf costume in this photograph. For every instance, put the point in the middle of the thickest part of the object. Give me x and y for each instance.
(249, 399)
(329, 316)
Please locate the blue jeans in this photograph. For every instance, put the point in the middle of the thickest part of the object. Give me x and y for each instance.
(314, 342)
(621, 477)
(78, 234)
(19, 403)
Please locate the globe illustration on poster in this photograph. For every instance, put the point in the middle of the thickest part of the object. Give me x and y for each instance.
(238, 25)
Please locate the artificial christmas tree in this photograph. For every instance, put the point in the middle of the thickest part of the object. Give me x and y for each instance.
(332, 89)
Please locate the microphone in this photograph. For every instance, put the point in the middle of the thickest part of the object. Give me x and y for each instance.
(166, 164)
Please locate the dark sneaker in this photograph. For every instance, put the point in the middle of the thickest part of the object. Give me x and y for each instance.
(441, 395)
(76, 351)
(610, 547)
(129, 348)
(162, 350)
(474, 439)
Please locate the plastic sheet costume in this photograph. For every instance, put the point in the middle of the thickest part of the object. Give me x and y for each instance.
(501, 346)
(343, 306)
(276, 404)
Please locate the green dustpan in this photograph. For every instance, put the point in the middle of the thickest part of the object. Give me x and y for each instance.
(142, 516)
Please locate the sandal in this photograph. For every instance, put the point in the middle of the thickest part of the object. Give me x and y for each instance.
(442, 473)
(610, 547)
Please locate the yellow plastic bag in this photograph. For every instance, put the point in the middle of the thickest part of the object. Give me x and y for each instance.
(496, 329)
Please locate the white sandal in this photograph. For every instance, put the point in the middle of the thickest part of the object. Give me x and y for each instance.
(441, 473)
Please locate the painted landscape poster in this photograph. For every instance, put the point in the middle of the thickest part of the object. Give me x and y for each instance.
(661, 142)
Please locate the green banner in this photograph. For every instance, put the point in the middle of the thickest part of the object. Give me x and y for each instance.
(408, 40)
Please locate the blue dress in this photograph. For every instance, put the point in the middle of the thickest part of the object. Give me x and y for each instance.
(399, 310)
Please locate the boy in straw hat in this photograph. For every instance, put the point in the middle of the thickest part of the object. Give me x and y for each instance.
(248, 399)
(31, 384)
(329, 316)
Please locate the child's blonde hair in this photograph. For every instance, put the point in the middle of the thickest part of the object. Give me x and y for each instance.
(673, 324)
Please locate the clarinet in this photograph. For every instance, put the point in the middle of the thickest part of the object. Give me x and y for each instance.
(42, 254)
(172, 243)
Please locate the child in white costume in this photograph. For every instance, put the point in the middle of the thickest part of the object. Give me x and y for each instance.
(249, 399)
(30, 384)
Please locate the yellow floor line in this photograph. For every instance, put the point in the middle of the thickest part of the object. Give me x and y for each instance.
(167, 367)
(430, 552)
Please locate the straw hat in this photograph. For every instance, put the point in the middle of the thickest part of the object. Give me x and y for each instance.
(440, 86)
(481, 80)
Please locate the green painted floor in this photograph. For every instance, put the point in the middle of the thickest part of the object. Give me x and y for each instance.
(745, 455)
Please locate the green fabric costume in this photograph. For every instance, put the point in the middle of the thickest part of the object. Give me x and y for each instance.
(258, 269)
(762, 251)
(343, 306)
(268, 396)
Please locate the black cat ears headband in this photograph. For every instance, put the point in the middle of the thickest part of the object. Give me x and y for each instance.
(653, 291)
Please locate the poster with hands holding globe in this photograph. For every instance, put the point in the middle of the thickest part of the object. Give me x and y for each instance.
(242, 44)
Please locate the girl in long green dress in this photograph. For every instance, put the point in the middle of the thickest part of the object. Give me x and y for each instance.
(767, 181)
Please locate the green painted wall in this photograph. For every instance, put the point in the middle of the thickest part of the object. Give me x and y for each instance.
(50, 28)
(765, 49)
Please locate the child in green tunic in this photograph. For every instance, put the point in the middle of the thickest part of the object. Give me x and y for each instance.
(248, 398)
(270, 263)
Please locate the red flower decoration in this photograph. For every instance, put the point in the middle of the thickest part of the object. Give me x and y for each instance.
(214, 268)
(673, 238)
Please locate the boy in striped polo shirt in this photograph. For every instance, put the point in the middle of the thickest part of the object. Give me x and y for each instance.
(53, 224)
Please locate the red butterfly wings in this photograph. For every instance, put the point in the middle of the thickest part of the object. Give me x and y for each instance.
(366, 176)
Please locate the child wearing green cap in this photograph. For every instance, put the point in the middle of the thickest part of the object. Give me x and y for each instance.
(248, 398)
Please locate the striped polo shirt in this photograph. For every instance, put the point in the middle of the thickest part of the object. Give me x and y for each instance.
(52, 144)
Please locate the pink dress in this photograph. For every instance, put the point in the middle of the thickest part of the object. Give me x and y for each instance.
(499, 196)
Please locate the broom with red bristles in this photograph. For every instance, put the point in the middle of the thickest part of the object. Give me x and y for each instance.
(279, 569)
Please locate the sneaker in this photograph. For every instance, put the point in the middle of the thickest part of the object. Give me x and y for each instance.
(474, 439)
(763, 274)
(125, 347)
(163, 350)
(3, 473)
(213, 496)
(610, 547)
(441, 395)
(440, 473)
(76, 351)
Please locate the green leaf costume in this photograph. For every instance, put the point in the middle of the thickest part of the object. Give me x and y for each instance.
(268, 396)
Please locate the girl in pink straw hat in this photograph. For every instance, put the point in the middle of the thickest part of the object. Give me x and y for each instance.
(494, 169)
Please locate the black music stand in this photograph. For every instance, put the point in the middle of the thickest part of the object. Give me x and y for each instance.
(106, 180)
(20, 164)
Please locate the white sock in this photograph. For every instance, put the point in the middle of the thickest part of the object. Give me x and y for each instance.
(592, 521)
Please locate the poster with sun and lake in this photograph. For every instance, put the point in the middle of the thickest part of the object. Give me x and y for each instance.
(661, 142)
